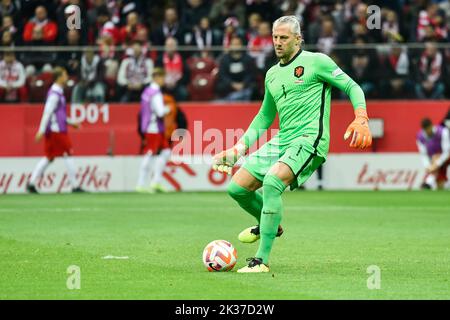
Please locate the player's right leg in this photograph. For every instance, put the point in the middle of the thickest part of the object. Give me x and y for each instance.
(51, 150)
(274, 184)
(71, 170)
(38, 172)
(242, 188)
(244, 184)
(441, 178)
(293, 168)
(150, 149)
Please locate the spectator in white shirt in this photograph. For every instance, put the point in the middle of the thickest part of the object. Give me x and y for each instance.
(12, 79)
(135, 73)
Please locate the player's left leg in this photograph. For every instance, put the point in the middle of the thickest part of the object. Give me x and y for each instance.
(152, 143)
(242, 189)
(158, 169)
(71, 170)
(144, 172)
(429, 182)
(320, 178)
(160, 163)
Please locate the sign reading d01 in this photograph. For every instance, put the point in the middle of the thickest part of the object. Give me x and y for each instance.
(90, 113)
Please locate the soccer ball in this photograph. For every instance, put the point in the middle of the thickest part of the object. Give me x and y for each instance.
(219, 255)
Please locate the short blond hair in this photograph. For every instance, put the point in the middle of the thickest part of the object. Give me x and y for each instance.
(158, 72)
(58, 72)
(292, 21)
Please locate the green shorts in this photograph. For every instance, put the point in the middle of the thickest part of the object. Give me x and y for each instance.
(299, 157)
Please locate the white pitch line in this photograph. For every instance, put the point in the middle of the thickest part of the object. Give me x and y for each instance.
(109, 257)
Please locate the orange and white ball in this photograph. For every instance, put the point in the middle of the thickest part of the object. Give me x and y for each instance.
(219, 255)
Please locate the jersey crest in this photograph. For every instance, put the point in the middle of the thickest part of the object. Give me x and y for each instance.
(298, 71)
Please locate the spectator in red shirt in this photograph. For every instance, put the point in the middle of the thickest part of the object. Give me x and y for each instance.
(396, 83)
(40, 30)
(109, 29)
(129, 32)
(107, 52)
(177, 73)
(232, 29)
(431, 25)
(261, 46)
(253, 22)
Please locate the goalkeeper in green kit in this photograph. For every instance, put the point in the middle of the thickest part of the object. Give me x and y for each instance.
(298, 88)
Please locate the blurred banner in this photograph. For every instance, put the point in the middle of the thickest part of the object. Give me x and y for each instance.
(111, 129)
(106, 174)
(394, 171)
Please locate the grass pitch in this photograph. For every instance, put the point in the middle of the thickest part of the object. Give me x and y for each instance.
(330, 240)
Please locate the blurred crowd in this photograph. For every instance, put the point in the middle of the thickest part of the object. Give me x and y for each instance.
(218, 49)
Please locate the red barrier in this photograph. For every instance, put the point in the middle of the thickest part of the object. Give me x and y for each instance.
(113, 129)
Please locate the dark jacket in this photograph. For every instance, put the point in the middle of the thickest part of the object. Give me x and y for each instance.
(231, 69)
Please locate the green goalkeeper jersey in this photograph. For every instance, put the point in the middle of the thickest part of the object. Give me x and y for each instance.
(300, 91)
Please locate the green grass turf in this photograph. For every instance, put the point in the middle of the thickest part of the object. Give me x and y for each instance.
(330, 239)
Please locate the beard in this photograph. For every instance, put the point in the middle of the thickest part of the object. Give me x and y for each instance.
(283, 55)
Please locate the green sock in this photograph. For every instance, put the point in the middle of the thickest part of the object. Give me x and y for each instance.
(272, 212)
(250, 201)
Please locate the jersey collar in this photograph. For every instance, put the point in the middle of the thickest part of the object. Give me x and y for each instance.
(293, 58)
(58, 88)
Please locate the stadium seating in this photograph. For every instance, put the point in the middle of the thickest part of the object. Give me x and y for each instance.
(203, 78)
(201, 87)
(201, 66)
(39, 85)
(73, 80)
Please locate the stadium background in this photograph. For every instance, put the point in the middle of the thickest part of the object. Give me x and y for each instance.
(191, 40)
(139, 246)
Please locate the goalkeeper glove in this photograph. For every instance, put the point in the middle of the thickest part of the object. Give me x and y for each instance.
(225, 160)
(362, 138)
